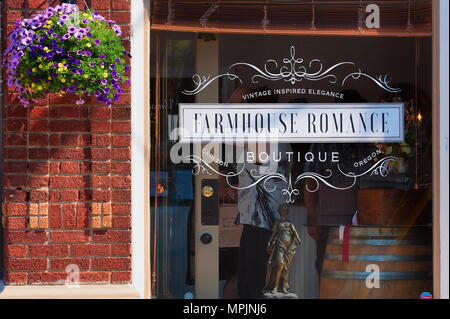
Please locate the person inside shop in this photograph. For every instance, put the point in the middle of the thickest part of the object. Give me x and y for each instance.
(328, 206)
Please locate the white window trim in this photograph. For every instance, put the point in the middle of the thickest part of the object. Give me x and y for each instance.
(443, 146)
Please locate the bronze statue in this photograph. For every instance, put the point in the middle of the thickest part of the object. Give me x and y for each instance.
(281, 250)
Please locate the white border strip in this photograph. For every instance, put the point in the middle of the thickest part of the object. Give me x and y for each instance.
(137, 145)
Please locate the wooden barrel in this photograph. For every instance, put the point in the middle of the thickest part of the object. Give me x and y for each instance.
(403, 256)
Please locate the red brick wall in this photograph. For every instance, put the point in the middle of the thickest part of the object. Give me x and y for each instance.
(65, 159)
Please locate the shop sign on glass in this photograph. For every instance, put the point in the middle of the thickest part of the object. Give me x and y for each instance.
(292, 123)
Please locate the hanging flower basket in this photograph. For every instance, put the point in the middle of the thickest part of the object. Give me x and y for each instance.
(63, 50)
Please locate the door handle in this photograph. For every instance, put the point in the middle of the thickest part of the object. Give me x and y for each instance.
(210, 202)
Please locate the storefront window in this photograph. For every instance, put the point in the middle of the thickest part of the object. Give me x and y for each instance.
(338, 203)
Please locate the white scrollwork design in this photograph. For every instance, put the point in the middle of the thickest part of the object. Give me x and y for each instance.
(292, 71)
(201, 166)
(379, 168)
(321, 178)
(381, 81)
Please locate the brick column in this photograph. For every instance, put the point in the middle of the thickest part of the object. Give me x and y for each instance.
(66, 177)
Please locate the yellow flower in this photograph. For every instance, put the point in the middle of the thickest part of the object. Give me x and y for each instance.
(86, 76)
(72, 80)
(60, 65)
(34, 69)
(39, 87)
(21, 75)
(40, 66)
(49, 78)
(85, 15)
(88, 45)
(105, 75)
(102, 66)
(45, 49)
(33, 85)
(63, 80)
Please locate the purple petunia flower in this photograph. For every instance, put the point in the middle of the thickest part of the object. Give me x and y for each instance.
(30, 33)
(36, 24)
(127, 69)
(47, 15)
(79, 101)
(62, 20)
(25, 23)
